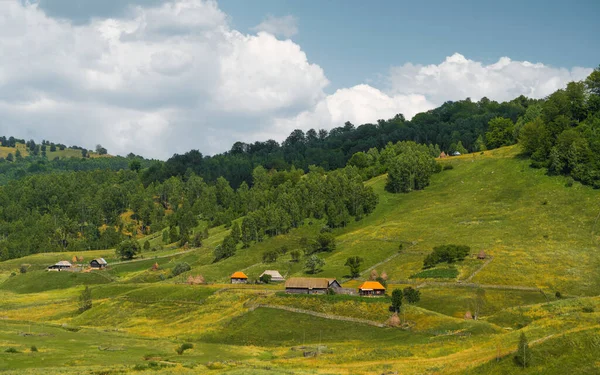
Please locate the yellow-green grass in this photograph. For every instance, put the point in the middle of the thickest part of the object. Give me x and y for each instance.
(39, 281)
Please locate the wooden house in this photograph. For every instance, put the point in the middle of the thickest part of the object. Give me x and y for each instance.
(275, 275)
(371, 288)
(98, 263)
(59, 266)
(239, 278)
(310, 285)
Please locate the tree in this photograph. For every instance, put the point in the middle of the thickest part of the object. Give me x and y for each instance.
(354, 264)
(146, 245)
(314, 264)
(523, 356)
(18, 155)
(173, 234)
(84, 153)
(460, 148)
(52, 147)
(135, 165)
(396, 300)
(500, 132)
(226, 249)
(165, 236)
(295, 254)
(128, 249)
(10, 157)
(409, 171)
(180, 268)
(101, 150)
(85, 299)
(411, 295)
(236, 233)
(265, 278)
(325, 242)
(270, 256)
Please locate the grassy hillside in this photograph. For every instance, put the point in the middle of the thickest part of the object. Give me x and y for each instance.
(540, 237)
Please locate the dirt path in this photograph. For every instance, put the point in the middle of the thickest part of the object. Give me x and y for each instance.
(468, 279)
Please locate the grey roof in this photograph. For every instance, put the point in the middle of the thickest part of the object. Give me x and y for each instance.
(275, 275)
(100, 261)
(63, 263)
(308, 283)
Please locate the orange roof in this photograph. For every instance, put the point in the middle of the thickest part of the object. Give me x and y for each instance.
(371, 285)
(239, 275)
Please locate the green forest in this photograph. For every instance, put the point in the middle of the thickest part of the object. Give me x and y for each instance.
(96, 203)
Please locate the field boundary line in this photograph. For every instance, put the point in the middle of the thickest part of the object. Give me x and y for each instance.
(468, 279)
(319, 315)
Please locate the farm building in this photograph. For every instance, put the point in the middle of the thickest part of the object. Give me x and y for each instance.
(59, 266)
(239, 278)
(371, 288)
(275, 275)
(99, 263)
(456, 153)
(310, 285)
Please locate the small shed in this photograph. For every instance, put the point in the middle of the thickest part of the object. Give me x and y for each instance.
(239, 278)
(310, 285)
(456, 153)
(98, 263)
(371, 288)
(59, 266)
(275, 275)
(481, 255)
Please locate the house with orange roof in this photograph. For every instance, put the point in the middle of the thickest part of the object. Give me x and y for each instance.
(239, 278)
(371, 288)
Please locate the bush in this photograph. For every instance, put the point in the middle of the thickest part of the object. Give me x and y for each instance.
(265, 279)
(558, 295)
(587, 309)
(128, 249)
(569, 182)
(448, 167)
(11, 350)
(183, 348)
(180, 268)
(446, 253)
(33, 348)
(23, 269)
(147, 245)
(295, 256)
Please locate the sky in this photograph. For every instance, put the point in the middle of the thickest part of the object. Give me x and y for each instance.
(158, 77)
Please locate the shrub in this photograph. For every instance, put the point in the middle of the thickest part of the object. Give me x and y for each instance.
(23, 269)
(587, 309)
(448, 167)
(569, 182)
(411, 295)
(128, 249)
(183, 348)
(11, 350)
(33, 348)
(180, 268)
(265, 278)
(558, 295)
(295, 255)
(446, 253)
(544, 202)
(147, 245)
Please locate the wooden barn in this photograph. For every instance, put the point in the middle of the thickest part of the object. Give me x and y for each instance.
(310, 285)
(275, 275)
(59, 266)
(371, 288)
(239, 278)
(98, 263)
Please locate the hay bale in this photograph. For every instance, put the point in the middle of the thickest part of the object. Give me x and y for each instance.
(374, 275)
(394, 320)
(468, 316)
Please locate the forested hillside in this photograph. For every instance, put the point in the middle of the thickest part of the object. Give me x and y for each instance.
(95, 203)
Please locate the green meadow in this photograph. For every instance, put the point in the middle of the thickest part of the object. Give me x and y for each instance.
(539, 235)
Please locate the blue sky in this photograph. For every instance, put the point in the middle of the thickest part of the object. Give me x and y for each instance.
(155, 77)
(359, 40)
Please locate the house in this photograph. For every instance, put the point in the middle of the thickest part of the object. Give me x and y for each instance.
(59, 266)
(275, 275)
(239, 278)
(371, 288)
(310, 285)
(481, 255)
(99, 263)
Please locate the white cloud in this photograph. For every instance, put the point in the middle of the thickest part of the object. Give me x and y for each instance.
(458, 77)
(176, 76)
(286, 26)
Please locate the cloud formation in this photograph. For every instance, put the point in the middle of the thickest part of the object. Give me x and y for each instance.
(166, 78)
(286, 26)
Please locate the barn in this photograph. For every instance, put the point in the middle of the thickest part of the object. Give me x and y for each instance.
(310, 285)
(98, 263)
(59, 266)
